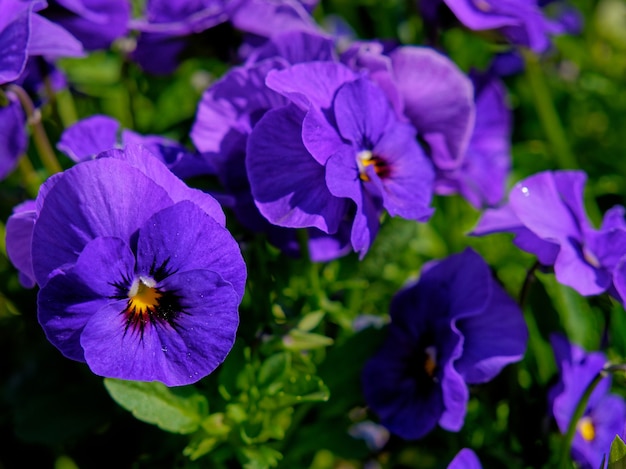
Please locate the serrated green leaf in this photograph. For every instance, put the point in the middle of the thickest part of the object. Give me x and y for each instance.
(176, 410)
(617, 456)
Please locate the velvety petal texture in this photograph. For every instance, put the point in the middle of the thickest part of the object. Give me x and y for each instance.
(13, 139)
(455, 326)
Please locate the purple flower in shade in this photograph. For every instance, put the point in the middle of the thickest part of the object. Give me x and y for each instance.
(426, 88)
(266, 18)
(546, 213)
(336, 153)
(89, 137)
(13, 138)
(455, 326)
(465, 459)
(522, 22)
(96, 23)
(605, 414)
(481, 179)
(167, 27)
(139, 278)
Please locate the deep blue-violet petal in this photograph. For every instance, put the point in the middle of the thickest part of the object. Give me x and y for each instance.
(176, 352)
(70, 298)
(438, 99)
(296, 47)
(104, 197)
(493, 339)
(51, 40)
(183, 237)
(14, 34)
(287, 183)
(89, 137)
(19, 237)
(465, 459)
(310, 84)
(13, 139)
(139, 157)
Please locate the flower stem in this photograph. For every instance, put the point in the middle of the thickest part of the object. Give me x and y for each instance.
(30, 178)
(547, 113)
(528, 280)
(312, 267)
(46, 153)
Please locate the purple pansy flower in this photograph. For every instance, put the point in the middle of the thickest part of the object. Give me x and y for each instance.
(481, 179)
(338, 152)
(455, 326)
(605, 414)
(139, 278)
(226, 115)
(465, 459)
(546, 213)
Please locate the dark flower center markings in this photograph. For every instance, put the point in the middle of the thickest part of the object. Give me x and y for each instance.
(587, 429)
(430, 362)
(147, 303)
(366, 158)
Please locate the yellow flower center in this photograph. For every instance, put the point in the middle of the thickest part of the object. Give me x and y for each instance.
(366, 158)
(143, 296)
(586, 429)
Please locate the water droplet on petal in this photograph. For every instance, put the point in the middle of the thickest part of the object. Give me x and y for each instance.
(526, 191)
(164, 348)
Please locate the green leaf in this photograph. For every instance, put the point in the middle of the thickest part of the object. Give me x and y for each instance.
(274, 369)
(259, 457)
(617, 457)
(299, 340)
(176, 410)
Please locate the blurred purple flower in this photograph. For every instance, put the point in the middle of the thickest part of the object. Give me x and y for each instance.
(481, 179)
(13, 138)
(139, 278)
(546, 213)
(337, 147)
(455, 326)
(90, 136)
(521, 22)
(605, 415)
(24, 33)
(465, 459)
(95, 23)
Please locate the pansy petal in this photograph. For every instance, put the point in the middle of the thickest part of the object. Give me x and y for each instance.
(177, 353)
(296, 47)
(13, 138)
(13, 40)
(455, 399)
(296, 198)
(69, 299)
(139, 157)
(572, 269)
(493, 339)
(310, 84)
(465, 459)
(115, 200)
(19, 237)
(438, 99)
(88, 137)
(183, 237)
(51, 40)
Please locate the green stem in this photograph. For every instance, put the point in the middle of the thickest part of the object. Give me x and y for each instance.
(528, 280)
(29, 177)
(46, 153)
(312, 267)
(547, 113)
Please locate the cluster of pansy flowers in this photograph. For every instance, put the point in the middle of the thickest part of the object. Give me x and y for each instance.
(139, 278)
